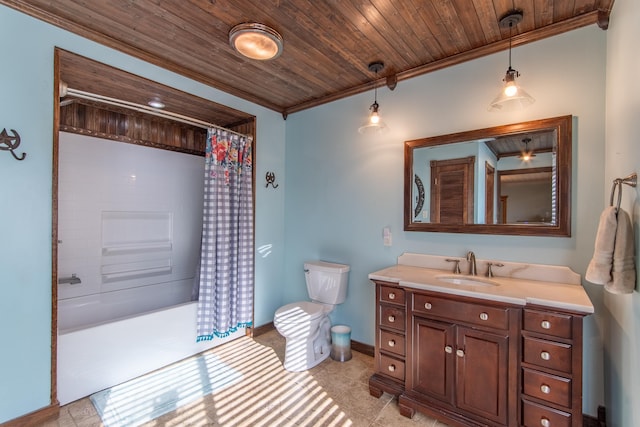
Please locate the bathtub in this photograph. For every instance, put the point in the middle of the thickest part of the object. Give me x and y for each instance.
(106, 339)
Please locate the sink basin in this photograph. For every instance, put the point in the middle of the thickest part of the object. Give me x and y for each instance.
(461, 279)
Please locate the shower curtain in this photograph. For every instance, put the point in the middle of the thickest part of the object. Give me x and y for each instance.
(225, 300)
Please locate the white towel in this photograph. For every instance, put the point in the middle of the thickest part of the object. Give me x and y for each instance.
(623, 273)
(599, 269)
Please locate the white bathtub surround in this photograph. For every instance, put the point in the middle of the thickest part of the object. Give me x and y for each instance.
(93, 310)
(124, 219)
(94, 358)
(515, 283)
(131, 233)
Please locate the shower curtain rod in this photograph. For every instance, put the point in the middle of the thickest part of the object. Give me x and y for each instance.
(64, 91)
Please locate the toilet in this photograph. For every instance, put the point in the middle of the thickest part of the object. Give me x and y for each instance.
(305, 324)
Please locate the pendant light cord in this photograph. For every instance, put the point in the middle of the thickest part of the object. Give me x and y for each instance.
(375, 89)
(510, 38)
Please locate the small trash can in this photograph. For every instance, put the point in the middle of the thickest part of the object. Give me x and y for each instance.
(341, 343)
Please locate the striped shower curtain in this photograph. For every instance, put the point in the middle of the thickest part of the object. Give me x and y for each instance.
(225, 300)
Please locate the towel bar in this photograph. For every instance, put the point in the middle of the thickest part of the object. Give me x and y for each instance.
(630, 180)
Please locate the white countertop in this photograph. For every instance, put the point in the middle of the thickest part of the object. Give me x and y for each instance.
(519, 291)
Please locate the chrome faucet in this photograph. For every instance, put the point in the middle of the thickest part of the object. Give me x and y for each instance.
(471, 257)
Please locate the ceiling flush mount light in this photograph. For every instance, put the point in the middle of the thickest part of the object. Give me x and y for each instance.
(526, 155)
(512, 96)
(156, 103)
(374, 123)
(256, 41)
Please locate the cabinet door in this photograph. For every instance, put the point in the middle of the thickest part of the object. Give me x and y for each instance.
(433, 353)
(482, 362)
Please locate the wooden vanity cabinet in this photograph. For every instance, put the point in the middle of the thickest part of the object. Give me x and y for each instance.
(390, 349)
(473, 362)
(462, 360)
(551, 368)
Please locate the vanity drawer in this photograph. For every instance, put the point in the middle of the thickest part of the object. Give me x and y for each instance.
(391, 294)
(547, 387)
(391, 367)
(547, 354)
(492, 317)
(534, 415)
(549, 323)
(392, 317)
(392, 343)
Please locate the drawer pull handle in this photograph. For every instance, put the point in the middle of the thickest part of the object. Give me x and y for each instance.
(544, 422)
(460, 353)
(392, 295)
(545, 389)
(448, 349)
(392, 343)
(545, 324)
(392, 319)
(545, 355)
(391, 368)
(427, 305)
(484, 316)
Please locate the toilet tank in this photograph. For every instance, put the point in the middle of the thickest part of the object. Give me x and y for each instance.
(326, 281)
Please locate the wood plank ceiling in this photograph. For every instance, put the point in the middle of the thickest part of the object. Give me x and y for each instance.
(327, 43)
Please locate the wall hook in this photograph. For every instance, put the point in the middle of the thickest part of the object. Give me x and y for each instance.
(271, 178)
(5, 139)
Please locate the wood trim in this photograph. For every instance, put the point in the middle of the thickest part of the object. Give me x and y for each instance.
(363, 348)
(124, 125)
(35, 418)
(54, 229)
(599, 421)
(261, 330)
(490, 192)
(562, 125)
(135, 52)
(598, 17)
(127, 140)
(517, 40)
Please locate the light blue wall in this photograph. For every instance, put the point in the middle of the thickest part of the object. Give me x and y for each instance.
(26, 105)
(343, 187)
(622, 312)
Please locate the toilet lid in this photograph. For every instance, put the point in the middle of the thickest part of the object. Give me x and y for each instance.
(299, 311)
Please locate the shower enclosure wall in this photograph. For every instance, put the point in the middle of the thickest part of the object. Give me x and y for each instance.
(129, 225)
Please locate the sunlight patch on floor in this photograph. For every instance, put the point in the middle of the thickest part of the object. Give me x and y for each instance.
(249, 388)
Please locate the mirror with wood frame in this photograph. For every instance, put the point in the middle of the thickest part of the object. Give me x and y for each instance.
(513, 179)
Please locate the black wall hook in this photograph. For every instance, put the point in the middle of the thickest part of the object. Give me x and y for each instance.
(271, 178)
(7, 140)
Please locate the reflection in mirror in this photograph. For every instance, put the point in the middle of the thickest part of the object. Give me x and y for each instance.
(511, 179)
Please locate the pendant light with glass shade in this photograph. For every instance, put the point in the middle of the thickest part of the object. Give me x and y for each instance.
(374, 123)
(512, 96)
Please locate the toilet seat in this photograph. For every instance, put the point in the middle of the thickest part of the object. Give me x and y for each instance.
(297, 312)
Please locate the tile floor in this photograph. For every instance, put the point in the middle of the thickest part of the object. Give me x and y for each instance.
(331, 394)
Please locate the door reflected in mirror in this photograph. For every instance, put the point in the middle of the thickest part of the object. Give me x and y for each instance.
(511, 179)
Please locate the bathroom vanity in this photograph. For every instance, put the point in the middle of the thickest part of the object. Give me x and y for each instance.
(472, 350)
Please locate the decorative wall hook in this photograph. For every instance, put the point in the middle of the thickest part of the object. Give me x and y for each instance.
(7, 140)
(271, 178)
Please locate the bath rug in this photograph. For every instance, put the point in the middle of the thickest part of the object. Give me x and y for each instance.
(148, 397)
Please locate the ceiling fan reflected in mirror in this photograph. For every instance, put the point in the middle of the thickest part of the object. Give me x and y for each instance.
(526, 155)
